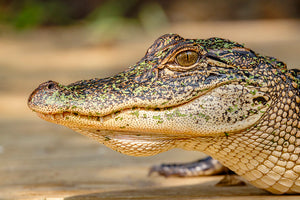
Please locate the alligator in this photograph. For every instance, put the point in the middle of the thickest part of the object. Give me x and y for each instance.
(210, 95)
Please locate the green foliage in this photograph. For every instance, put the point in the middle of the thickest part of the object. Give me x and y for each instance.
(123, 18)
(112, 9)
(106, 20)
(152, 16)
(31, 15)
(109, 21)
(28, 14)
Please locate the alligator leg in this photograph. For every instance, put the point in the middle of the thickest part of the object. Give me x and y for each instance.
(203, 167)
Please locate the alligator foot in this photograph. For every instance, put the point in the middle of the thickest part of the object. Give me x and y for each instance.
(204, 167)
(231, 180)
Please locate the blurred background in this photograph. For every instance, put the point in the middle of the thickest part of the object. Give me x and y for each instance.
(69, 40)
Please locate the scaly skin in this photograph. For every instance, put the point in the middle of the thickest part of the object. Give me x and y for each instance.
(214, 96)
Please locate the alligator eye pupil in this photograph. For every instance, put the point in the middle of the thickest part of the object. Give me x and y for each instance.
(187, 58)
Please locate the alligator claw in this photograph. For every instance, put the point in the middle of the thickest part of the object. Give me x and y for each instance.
(203, 167)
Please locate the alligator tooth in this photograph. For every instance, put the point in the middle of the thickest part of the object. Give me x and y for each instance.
(99, 119)
(51, 117)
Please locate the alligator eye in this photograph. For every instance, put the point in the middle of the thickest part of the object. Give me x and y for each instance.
(187, 58)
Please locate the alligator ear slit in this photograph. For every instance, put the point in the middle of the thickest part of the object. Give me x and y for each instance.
(260, 99)
(214, 57)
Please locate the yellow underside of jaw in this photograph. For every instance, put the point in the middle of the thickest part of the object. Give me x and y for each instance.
(126, 142)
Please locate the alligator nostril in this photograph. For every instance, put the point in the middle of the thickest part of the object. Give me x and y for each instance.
(51, 86)
(48, 85)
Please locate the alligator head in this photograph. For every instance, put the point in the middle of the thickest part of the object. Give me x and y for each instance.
(180, 89)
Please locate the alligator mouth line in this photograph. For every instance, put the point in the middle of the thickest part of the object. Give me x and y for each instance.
(66, 116)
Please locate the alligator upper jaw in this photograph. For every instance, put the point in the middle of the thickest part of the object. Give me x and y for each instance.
(201, 116)
(104, 97)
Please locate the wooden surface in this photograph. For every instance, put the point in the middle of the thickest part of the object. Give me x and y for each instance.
(39, 160)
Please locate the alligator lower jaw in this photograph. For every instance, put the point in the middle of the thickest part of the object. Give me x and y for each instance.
(94, 124)
(131, 143)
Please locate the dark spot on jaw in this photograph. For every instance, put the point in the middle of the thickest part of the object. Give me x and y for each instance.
(228, 119)
(247, 74)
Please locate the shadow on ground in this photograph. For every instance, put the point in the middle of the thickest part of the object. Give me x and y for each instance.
(198, 191)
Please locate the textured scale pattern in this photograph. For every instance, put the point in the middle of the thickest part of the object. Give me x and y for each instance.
(213, 95)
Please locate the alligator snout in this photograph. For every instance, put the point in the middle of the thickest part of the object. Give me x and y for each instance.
(40, 95)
